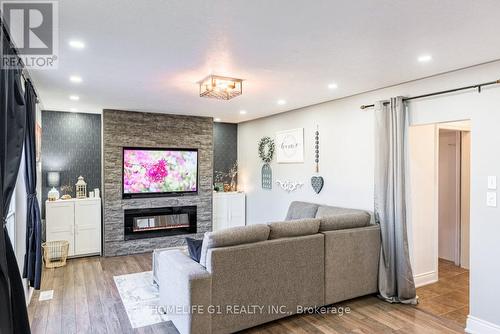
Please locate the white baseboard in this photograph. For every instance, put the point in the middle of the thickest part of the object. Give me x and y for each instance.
(479, 326)
(425, 278)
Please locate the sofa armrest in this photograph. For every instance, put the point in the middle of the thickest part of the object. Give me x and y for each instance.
(351, 262)
(185, 292)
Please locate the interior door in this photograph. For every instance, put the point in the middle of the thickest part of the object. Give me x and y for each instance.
(449, 195)
(60, 223)
(87, 227)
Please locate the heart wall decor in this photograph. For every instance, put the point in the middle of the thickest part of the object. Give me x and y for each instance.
(317, 182)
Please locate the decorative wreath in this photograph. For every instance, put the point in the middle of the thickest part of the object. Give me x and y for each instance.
(266, 149)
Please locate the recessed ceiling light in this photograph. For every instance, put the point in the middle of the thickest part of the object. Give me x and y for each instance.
(424, 58)
(75, 44)
(332, 85)
(281, 102)
(75, 79)
(217, 119)
(73, 109)
(243, 112)
(74, 97)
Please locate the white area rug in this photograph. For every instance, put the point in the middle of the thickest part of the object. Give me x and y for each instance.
(141, 298)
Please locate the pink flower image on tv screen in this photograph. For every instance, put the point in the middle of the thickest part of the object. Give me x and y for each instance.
(161, 171)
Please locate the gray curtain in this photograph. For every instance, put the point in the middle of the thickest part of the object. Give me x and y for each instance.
(396, 283)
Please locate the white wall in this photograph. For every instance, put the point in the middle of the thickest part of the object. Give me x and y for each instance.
(423, 221)
(21, 210)
(20, 227)
(344, 156)
(347, 163)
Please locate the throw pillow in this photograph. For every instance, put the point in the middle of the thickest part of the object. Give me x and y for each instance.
(194, 248)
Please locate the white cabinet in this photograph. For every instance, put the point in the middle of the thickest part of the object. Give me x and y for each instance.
(228, 210)
(77, 221)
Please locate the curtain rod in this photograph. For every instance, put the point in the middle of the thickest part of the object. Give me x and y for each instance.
(477, 86)
(24, 72)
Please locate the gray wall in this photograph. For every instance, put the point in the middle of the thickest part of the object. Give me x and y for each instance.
(125, 128)
(225, 146)
(71, 144)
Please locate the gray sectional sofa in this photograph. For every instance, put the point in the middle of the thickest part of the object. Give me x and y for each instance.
(254, 274)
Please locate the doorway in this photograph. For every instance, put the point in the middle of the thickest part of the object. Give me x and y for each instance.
(453, 194)
(439, 165)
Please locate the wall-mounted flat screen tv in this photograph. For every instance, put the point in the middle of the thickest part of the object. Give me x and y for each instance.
(151, 172)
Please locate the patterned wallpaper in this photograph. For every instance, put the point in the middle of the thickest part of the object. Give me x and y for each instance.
(225, 146)
(71, 144)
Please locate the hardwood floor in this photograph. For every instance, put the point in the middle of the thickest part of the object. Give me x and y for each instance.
(449, 297)
(87, 301)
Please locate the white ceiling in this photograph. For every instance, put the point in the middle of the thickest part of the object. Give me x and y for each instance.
(148, 55)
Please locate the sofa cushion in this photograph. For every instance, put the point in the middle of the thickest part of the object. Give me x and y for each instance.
(335, 218)
(301, 210)
(294, 228)
(233, 236)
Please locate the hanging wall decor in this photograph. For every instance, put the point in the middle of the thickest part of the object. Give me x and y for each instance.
(267, 177)
(266, 153)
(289, 186)
(290, 146)
(317, 181)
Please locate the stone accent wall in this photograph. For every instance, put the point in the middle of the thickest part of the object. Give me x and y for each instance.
(129, 129)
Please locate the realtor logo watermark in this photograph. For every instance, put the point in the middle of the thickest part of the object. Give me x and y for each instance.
(33, 27)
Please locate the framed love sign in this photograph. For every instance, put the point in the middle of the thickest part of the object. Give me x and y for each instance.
(290, 146)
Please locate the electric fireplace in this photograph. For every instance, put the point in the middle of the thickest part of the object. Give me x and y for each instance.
(159, 222)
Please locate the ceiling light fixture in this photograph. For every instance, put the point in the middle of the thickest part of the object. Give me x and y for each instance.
(281, 102)
(222, 88)
(73, 109)
(332, 85)
(424, 58)
(74, 97)
(217, 119)
(243, 112)
(75, 79)
(75, 44)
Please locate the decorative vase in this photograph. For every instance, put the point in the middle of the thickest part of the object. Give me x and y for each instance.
(233, 185)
